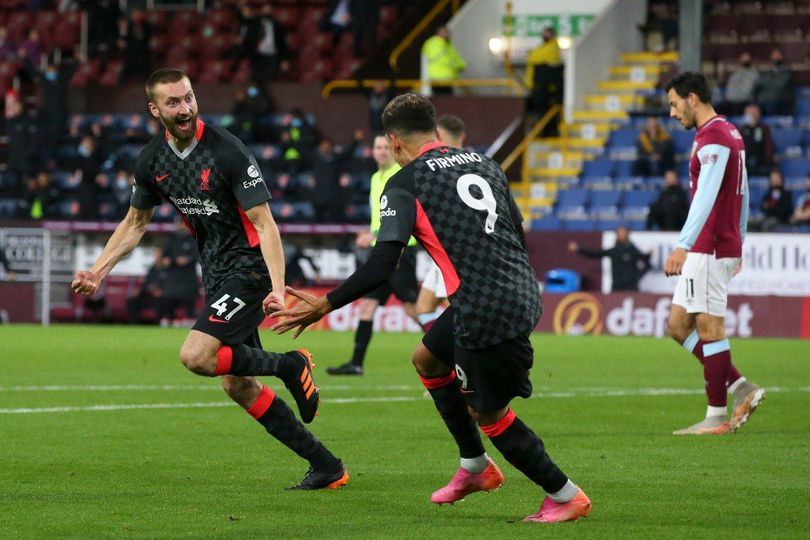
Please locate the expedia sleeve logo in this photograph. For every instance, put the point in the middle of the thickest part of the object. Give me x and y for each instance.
(384, 210)
(255, 178)
(578, 313)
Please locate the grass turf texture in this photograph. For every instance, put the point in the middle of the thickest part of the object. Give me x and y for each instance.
(213, 471)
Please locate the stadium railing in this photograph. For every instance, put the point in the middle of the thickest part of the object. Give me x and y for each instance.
(417, 30)
(416, 84)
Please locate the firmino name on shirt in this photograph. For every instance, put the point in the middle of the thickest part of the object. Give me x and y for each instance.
(453, 160)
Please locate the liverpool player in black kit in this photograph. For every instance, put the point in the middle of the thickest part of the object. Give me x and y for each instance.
(215, 184)
(477, 356)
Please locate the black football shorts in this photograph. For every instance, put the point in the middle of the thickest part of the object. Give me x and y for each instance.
(403, 283)
(440, 341)
(234, 312)
(492, 376)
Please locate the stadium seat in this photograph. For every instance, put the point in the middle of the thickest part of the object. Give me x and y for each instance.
(786, 138)
(577, 225)
(605, 199)
(8, 208)
(572, 198)
(546, 223)
(682, 140)
(597, 168)
(624, 137)
(795, 167)
(623, 167)
(639, 198)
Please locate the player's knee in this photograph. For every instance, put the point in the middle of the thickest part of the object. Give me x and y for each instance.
(426, 364)
(487, 418)
(197, 361)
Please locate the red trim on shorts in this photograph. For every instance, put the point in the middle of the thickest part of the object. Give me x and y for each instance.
(250, 230)
(224, 360)
(425, 233)
(262, 403)
(493, 430)
(432, 383)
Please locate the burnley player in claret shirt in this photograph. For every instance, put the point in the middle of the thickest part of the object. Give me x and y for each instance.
(709, 254)
(477, 356)
(215, 184)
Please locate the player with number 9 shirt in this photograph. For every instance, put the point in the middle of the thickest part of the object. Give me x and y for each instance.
(215, 184)
(477, 356)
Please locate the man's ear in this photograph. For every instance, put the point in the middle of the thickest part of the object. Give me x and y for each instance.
(154, 110)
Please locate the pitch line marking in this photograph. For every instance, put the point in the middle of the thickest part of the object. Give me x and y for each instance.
(383, 399)
(175, 387)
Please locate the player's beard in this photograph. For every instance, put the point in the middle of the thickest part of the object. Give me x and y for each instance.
(688, 117)
(175, 128)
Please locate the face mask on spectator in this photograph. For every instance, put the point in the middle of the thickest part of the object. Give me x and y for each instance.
(50, 75)
(252, 91)
(84, 151)
(749, 120)
(121, 183)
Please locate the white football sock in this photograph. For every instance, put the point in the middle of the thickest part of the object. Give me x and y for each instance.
(568, 492)
(474, 465)
(716, 411)
(736, 384)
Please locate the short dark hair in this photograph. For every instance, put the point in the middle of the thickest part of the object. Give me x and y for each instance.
(690, 82)
(162, 76)
(409, 113)
(451, 124)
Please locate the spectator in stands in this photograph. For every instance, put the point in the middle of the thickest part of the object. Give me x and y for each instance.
(53, 82)
(777, 204)
(628, 263)
(271, 55)
(759, 155)
(180, 257)
(8, 51)
(40, 197)
(250, 107)
(655, 150)
(669, 211)
(444, 63)
(337, 19)
(329, 196)
(31, 48)
(544, 79)
(378, 98)
(801, 214)
(151, 292)
(740, 86)
(86, 171)
(121, 188)
(102, 17)
(23, 140)
(773, 90)
(133, 38)
(365, 17)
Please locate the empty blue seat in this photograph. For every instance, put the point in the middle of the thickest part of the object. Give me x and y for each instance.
(795, 167)
(577, 224)
(8, 208)
(682, 140)
(623, 168)
(597, 167)
(623, 137)
(546, 223)
(757, 182)
(562, 280)
(608, 224)
(571, 198)
(785, 138)
(639, 198)
(603, 199)
(803, 107)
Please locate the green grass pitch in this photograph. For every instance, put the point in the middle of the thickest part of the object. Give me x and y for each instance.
(136, 446)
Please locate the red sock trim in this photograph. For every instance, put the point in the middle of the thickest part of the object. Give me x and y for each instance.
(433, 383)
(493, 430)
(224, 360)
(262, 403)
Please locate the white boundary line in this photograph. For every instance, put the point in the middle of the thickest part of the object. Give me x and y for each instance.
(177, 387)
(384, 399)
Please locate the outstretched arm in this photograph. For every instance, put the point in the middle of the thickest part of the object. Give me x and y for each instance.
(126, 236)
(272, 252)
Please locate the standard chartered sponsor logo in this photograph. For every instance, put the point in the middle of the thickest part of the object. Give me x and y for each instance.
(195, 206)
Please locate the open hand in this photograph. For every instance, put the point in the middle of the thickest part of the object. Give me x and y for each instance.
(85, 282)
(308, 311)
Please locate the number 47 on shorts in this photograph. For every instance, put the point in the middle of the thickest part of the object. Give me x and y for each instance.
(226, 304)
